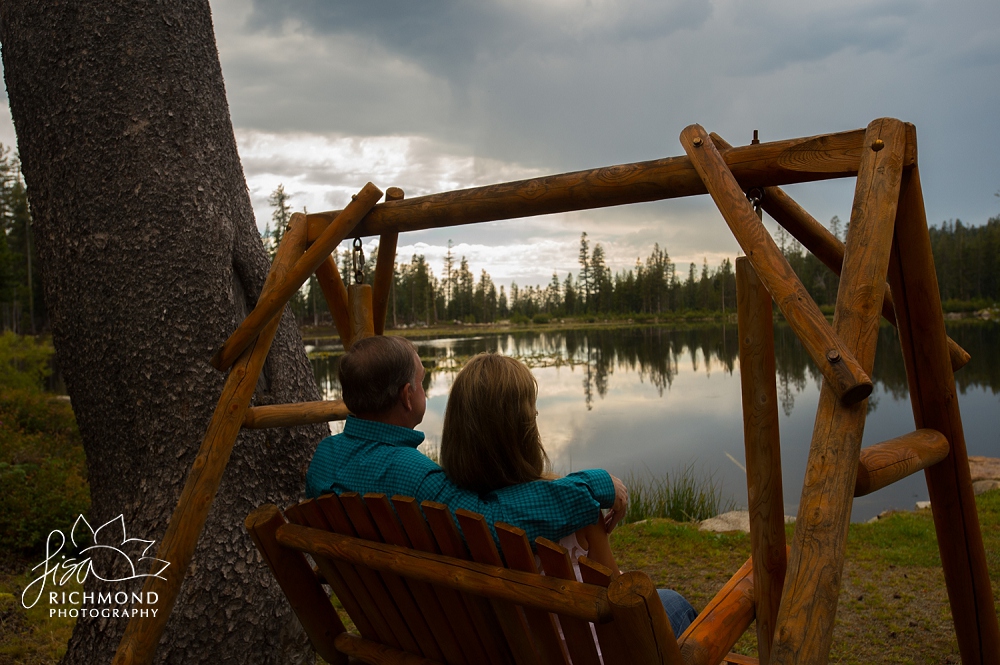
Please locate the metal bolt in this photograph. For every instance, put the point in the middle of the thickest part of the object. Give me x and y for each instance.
(878, 145)
(833, 355)
(697, 142)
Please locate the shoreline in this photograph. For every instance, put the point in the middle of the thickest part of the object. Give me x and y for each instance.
(689, 321)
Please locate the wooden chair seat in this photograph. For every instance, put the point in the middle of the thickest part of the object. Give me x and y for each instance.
(422, 590)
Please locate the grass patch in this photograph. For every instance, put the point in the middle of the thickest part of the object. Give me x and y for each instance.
(43, 477)
(31, 636)
(681, 496)
(893, 605)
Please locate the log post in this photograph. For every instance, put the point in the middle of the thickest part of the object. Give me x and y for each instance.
(359, 302)
(138, 644)
(384, 268)
(273, 300)
(935, 405)
(640, 617)
(812, 583)
(838, 365)
(763, 452)
(335, 294)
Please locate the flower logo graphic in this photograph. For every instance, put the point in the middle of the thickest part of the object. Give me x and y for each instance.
(109, 543)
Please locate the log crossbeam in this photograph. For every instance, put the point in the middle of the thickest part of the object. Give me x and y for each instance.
(885, 463)
(295, 415)
(786, 162)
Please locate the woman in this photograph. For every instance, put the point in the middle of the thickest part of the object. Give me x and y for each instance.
(490, 441)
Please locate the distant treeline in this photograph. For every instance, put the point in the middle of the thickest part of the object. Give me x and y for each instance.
(22, 307)
(967, 260)
(651, 287)
(966, 257)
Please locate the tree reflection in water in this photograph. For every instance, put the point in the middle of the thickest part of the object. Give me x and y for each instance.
(653, 355)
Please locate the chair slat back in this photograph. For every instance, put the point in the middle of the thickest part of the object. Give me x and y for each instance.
(423, 642)
(430, 607)
(451, 601)
(544, 630)
(368, 587)
(298, 582)
(613, 647)
(511, 617)
(341, 577)
(481, 611)
(579, 638)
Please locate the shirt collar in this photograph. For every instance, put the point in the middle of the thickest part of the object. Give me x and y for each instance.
(372, 430)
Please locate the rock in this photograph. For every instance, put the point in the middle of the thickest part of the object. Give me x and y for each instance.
(736, 520)
(984, 468)
(922, 505)
(980, 486)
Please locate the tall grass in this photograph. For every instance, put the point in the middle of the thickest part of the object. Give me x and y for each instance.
(681, 496)
(42, 463)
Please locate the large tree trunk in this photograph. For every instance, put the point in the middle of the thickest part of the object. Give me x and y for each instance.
(151, 257)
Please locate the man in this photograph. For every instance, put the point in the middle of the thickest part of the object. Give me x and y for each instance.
(382, 383)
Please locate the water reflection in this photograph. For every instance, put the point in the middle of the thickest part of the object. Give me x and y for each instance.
(652, 400)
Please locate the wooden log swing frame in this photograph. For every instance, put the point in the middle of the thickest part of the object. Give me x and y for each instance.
(887, 247)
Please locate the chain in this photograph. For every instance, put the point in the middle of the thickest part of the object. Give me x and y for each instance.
(755, 196)
(358, 262)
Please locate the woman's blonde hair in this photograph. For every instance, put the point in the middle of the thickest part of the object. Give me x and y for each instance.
(490, 438)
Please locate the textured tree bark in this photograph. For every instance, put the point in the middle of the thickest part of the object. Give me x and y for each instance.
(151, 258)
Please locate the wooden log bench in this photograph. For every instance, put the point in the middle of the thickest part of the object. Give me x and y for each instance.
(422, 590)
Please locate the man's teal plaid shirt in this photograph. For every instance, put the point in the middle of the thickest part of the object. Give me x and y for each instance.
(374, 457)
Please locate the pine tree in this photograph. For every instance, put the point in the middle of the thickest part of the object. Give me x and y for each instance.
(449, 265)
(280, 216)
(835, 227)
(585, 280)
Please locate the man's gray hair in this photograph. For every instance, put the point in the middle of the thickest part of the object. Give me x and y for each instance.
(373, 372)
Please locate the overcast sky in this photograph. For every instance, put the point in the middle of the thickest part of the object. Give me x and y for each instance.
(445, 94)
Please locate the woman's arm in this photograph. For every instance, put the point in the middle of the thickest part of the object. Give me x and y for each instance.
(594, 539)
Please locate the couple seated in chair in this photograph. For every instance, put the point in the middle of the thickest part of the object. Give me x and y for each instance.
(492, 459)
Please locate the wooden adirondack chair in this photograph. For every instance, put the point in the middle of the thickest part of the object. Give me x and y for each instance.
(419, 593)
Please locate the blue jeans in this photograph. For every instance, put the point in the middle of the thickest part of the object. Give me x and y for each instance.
(679, 611)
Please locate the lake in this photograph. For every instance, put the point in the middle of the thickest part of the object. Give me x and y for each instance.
(653, 400)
